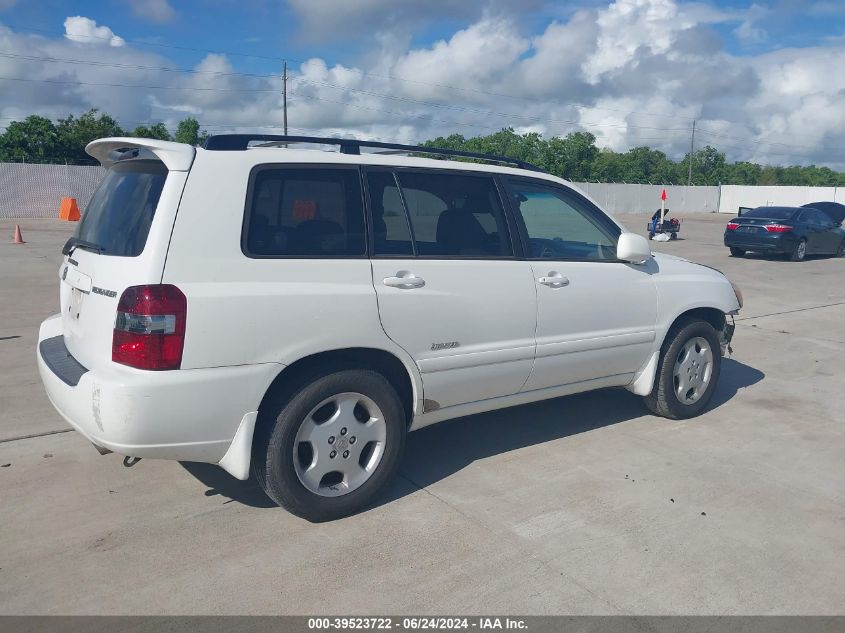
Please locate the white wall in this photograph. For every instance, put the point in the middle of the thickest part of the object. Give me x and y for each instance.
(735, 196)
(618, 198)
(33, 191)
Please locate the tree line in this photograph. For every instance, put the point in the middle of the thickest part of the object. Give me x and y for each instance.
(37, 139)
(574, 157)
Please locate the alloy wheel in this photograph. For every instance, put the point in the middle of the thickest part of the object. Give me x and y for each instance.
(339, 444)
(693, 370)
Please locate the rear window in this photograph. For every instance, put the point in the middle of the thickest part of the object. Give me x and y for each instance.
(304, 212)
(770, 213)
(120, 213)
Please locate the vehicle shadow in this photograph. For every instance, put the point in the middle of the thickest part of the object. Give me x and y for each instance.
(781, 258)
(438, 451)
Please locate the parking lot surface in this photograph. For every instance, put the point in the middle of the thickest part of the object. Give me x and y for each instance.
(580, 505)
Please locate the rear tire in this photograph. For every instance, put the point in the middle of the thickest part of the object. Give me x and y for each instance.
(737, 252)
(359, 457)
(690, 362)
(674, 236)
(841, 251)
(799, 252)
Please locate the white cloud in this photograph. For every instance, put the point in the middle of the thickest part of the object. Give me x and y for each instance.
(157, 11)
(86, 31)
(627, 26)
(748, 31)
(632, 72)
(342, 19)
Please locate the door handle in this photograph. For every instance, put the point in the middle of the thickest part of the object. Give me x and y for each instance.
(404, 280)
(554, 280)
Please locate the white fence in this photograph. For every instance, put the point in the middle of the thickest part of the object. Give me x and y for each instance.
(35, 191)
(735, 196)
(618, 198)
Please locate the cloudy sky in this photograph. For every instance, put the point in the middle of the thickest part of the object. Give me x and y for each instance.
(764, 80)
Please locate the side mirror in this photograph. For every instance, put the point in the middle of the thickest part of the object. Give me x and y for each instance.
(633, 248)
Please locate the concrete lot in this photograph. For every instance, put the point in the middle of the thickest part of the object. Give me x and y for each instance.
(581, 505)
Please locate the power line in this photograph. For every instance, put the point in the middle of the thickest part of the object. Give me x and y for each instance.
(390, 77)
(349, 69)
(365, 92)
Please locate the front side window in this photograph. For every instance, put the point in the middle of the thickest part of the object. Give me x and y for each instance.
(455, 215)
(561, 225)
(305, 212)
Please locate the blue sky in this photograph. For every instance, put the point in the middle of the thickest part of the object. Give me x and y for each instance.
(272, 28)
(763, 79)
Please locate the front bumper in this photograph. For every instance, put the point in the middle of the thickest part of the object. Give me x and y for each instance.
(727, 334)
(188, 414)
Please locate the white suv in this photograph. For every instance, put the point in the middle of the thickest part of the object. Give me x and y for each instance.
(299, 311)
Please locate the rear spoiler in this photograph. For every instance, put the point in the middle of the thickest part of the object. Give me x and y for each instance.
(175, 156)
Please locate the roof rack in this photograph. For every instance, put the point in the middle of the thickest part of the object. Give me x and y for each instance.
(240, 142)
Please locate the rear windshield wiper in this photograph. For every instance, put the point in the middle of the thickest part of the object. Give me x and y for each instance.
(76, 242)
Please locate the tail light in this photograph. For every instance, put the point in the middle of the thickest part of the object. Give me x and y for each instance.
(732, 226)
(778, 228)
(149, 330)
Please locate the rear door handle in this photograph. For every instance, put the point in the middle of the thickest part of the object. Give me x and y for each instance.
(554, 280)
(404, 280)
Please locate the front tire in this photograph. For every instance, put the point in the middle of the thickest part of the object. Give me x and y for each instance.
(690, 362)
(737, 252)
(841, 250)
(332, 447)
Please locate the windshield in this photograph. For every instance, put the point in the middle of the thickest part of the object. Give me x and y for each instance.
(770, 213)
(120, 213)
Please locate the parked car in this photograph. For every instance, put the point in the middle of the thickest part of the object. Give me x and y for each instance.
(793, 231)
(297, 312)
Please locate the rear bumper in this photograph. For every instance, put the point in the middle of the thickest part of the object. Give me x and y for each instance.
(189, 414)
(765, 242)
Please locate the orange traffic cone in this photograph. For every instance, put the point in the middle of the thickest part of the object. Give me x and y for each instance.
(68, 210)
(18, 237)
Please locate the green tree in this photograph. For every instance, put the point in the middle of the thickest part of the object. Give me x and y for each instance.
(34, 139)
(75, 133)
(158, 131)
(745, 173)
(571, 157)
(188, 131)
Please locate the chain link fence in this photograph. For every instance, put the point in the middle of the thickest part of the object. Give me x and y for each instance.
(29, 190)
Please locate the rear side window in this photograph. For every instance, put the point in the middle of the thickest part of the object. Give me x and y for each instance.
(391, 232)
(455, 215)
(119, 215)
(304, 212)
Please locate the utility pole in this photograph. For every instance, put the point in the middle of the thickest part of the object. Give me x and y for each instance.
(691, 150)
(285, 95)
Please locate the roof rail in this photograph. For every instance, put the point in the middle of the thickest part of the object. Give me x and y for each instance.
(240, 142)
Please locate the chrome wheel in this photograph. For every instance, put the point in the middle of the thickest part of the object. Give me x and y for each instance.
(802, 249)
(339, 444)
(693, 370)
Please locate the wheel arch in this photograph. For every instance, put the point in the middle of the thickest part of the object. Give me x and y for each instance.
(643, 380)
(297, 374)
(713, 316)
